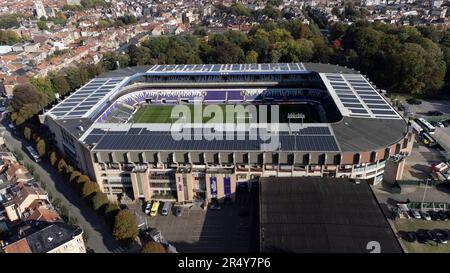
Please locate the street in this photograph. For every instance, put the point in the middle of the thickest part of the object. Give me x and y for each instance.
(100, 239)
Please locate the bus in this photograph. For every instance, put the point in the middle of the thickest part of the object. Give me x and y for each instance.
(426, 125)
(416, 127)
(33, 153)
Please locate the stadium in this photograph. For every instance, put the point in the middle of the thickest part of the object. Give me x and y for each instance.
(330, 122)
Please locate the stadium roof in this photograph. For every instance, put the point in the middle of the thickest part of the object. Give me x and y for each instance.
(83, 102)
(366, 112)
(226, 69)
(158, 137)
(321, 215)
(356, 97)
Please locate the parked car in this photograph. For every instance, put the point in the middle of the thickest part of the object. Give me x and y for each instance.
(434, 113)
(177, 210)
(148, 208)
(155, 207)
(411, 236)
(414, 101)
(155, 235)
(441, 238)
(166, 208)
(430, 235)
(434, 215)
(422, 236)
(440, 124)
(426, 215)
(415, 214)
(443, 233)
(442, 215)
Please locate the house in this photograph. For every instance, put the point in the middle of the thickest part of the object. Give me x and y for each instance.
(158, 31)
(21, 198)
(180, 29)
(56, 237)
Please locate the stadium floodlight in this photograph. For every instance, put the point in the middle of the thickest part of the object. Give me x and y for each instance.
(293, 116)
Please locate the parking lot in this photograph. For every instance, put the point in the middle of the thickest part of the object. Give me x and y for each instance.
(198, 230)
(403, 225)
(420, 110)
(418, 164)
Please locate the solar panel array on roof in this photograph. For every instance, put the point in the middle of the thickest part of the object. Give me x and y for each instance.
(309, 139)
(359, 97)
(226, 68)
(84, 99)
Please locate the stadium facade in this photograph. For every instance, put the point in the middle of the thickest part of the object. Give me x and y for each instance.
(355, 132)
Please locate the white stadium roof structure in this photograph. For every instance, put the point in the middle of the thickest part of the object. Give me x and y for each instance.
(366, 114)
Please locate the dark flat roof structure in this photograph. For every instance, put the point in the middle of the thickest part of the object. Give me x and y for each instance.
(321, 215)
(52, 237)
(362, 134)
(137, 139)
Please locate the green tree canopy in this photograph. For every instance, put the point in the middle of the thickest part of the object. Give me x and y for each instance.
(59, 83)
(44, 86)
(62, 166)
(41, 148)
(89, 189)
(125, 226)
(99, 201)
(153, 247)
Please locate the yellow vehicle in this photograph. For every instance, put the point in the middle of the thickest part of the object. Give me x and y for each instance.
(155, 207)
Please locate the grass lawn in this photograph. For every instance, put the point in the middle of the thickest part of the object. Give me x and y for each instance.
(414, 225)
(162, 113)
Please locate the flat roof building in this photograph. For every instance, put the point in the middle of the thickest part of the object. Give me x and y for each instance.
(322, 215)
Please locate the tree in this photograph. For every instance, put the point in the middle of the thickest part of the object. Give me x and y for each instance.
(42, 25)
(89, 189)
(111, 210)
(252, 56)
(62, 166)
(125, 226)
(74, 176)
(26, 94)
(228, 52)
(111, 60)
(73, 77)
(40, 146)
(59, 84)
(53, 158)
(27, 133)
(9, 37)
(44, 86)
(99, 201)
(9, 21)
(80, 181)
(153, 247)
(239, 10)
(139, 55)
(26, 102)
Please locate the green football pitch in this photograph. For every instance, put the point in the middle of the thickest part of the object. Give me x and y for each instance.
(162, 113)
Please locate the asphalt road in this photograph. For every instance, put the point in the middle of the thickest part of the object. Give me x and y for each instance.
(100, 239)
